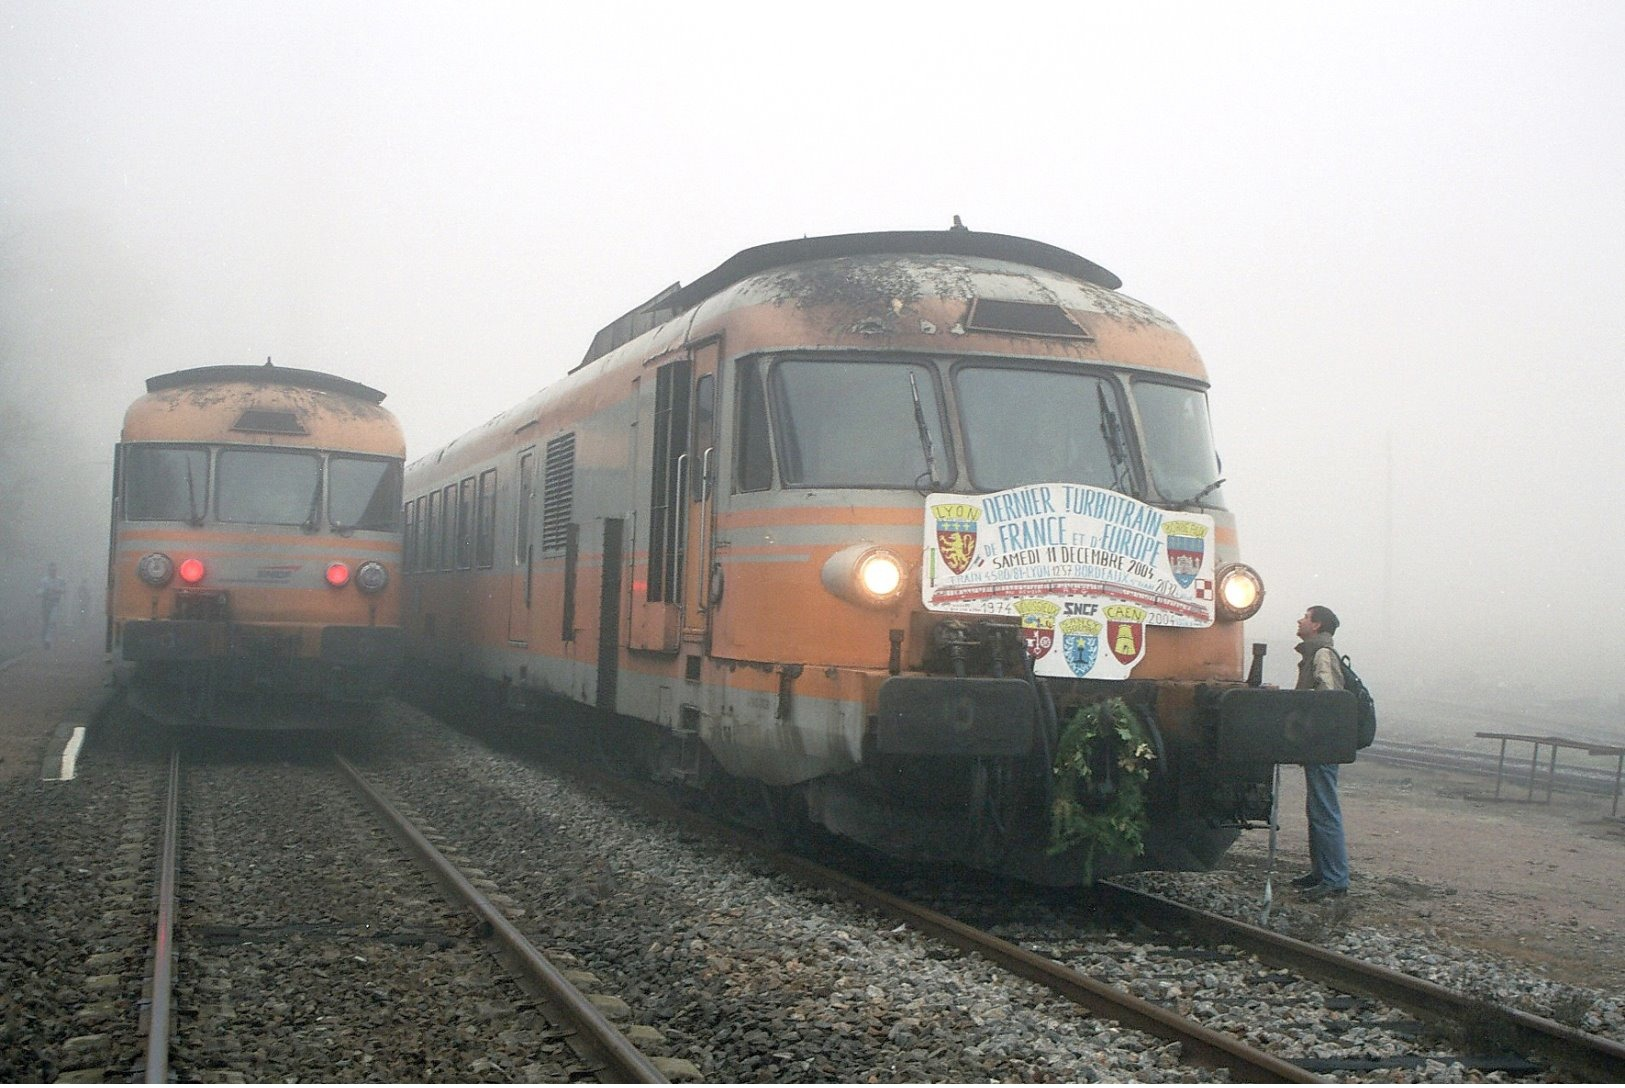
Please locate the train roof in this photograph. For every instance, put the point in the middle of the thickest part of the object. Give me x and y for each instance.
(956, 241)
(265, 374)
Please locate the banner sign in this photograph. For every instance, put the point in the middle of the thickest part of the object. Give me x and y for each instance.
(1085, 569)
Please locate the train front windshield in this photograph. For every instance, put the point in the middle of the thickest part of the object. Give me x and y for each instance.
(883, 424)
(1029, 426)
(366, 492)
(166, 483)
(270, 487)
(845, 424)
(256, 486)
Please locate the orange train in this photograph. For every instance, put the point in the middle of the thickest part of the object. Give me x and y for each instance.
(864, 523)
(256, 543)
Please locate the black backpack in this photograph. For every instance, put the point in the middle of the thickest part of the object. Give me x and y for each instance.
(1362, 696)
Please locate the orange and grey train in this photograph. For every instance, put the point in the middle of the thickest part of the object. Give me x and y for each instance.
(863, 523)
(256, 543)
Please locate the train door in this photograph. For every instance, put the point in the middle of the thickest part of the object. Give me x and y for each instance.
(521, 577)
(670, 601)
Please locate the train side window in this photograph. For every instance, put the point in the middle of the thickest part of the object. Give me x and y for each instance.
(423, 533)
(448, 527)
(465, 524)
(527, 495)
(166, 483)
(431, 532)
(753, 457)
(485, 540)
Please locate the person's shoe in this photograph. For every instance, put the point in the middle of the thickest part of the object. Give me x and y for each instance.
(1323, 891)
(1307, 880)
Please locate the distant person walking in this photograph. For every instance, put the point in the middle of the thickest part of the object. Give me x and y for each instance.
(1318, 670)
(51, 590)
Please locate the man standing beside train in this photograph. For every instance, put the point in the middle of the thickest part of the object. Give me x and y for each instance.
(1318, 669)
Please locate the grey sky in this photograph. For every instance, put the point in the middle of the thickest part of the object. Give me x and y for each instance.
(1394, 232)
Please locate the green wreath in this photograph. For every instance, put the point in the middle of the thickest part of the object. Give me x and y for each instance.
(1101, 815)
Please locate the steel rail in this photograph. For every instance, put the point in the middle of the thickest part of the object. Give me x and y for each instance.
(1202, 1045)
(159, 1011)
(1600, 1057)
(623, 1061)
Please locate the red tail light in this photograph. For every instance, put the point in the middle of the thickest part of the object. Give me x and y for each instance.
(338, 575)
(191, 571)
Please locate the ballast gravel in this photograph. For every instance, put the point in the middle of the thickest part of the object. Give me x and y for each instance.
(750, 977)
(718, 961)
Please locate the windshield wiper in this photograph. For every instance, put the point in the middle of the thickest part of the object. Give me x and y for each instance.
(196, 518)
(925, 438)
(1111, 429)
(313, 518)
(1204, 493)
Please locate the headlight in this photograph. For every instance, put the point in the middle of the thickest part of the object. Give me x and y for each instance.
(371, 577)
(880, 574)
(1241, 591)
(155, 569)
(866, 575)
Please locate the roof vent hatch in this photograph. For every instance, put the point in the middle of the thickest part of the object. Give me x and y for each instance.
(1023, 319)
(269, 421)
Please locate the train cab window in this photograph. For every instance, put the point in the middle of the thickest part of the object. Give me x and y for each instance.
(753, 455)
(485, 520)
(859, 424)
(1178, 438)
(269, 487)
(363, 492)
(165, 483)
(1027, 425)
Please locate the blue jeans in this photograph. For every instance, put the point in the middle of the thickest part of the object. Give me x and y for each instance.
(1328, 855)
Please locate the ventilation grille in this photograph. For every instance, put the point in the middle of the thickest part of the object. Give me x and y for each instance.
(558, 490)
(1023, 318)
(266, 421)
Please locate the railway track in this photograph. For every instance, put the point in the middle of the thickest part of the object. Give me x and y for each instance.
(1434, 1025)
(1060, 961)
(1314, 975)
(1595, 1057)
(251, 970)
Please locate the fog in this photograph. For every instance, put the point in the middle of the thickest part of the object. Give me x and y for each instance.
(1393, 231)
